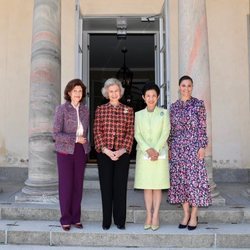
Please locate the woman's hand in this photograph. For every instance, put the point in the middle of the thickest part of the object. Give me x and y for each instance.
(120, 152)
(201, 153)
(110, 154)
(81, 139)
(152, 154)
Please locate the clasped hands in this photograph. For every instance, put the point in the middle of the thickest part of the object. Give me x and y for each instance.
(152, 154)
(114, 155)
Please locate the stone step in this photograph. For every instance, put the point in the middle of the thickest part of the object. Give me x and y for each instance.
(39, 247)
(168, 214)
(49, 233)
(92, 209)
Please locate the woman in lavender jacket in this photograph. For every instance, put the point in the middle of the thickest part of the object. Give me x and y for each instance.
(71, 144)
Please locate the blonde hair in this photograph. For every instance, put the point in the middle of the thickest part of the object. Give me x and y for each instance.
(109, 82)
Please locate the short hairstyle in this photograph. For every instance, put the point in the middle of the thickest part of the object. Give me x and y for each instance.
(69, 87)
(150, 86)
(185, 78)
(109, 82)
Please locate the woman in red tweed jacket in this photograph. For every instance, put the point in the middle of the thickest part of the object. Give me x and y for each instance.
(113, 136)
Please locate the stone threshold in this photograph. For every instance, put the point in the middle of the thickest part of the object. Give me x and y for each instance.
(168, 215)
(50, 233)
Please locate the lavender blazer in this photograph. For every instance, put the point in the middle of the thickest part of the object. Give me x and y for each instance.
(65, 126)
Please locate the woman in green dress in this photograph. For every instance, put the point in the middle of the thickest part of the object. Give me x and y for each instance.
(152, 129)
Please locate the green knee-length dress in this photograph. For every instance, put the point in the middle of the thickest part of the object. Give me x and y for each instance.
(152, 131)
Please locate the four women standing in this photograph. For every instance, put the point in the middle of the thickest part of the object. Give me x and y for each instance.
(113, 136)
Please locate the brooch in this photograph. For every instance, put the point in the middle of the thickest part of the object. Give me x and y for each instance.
(162, 113)
(125, 111)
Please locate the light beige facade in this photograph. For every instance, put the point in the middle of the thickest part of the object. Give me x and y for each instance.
(15, 51)
(228, 31)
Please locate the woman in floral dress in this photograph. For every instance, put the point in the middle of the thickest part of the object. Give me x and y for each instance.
(187, 142)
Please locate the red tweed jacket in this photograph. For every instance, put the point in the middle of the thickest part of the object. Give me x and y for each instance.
(114, 127)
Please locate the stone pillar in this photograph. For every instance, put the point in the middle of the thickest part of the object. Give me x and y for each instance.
(194, 61)
(45, 88)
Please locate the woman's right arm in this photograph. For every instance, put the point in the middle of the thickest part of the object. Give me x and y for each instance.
(98, 131)
(58, 134)
(138, 135)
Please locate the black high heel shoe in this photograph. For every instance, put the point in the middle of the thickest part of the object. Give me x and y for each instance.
(193, 227)
(182, 226)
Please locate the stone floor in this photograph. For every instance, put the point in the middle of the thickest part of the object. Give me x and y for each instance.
(28, 247)
(235, 195)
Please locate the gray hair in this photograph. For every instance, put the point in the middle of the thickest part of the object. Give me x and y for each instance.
(110, 82)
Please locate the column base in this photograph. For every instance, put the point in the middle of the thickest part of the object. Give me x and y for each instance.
(247, 192)
(39, 192)
(218, 200)
(45, 199)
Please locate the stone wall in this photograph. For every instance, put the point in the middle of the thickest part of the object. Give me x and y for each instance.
(228, 31)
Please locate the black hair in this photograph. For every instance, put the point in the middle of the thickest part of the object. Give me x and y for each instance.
(185, 78)
(150, 86)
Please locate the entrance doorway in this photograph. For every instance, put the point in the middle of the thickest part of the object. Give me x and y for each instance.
(110, 57)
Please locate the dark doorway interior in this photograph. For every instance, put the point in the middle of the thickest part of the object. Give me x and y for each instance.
(107, 59)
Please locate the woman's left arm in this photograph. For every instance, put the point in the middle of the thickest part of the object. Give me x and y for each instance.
(86, 125)
(129, 138)
(164, 132)
(202, 126)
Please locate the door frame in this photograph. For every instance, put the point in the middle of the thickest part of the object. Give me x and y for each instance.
(86, 57)
(162, 50)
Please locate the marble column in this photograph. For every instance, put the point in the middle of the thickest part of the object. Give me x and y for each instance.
(194, 61)
(45, 88)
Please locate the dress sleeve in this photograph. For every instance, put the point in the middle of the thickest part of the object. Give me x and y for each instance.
(98, 131)
(129, 138)
(170, 137)
(138, 135)
(164, 133)
(202, 126)
(58, 134)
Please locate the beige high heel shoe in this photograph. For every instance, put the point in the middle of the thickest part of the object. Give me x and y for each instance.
(155, 227)
(147, 226)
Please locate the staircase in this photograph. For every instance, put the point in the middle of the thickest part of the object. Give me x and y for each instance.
(220, 226)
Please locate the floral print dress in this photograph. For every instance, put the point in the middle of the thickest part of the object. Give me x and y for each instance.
(188, 174)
